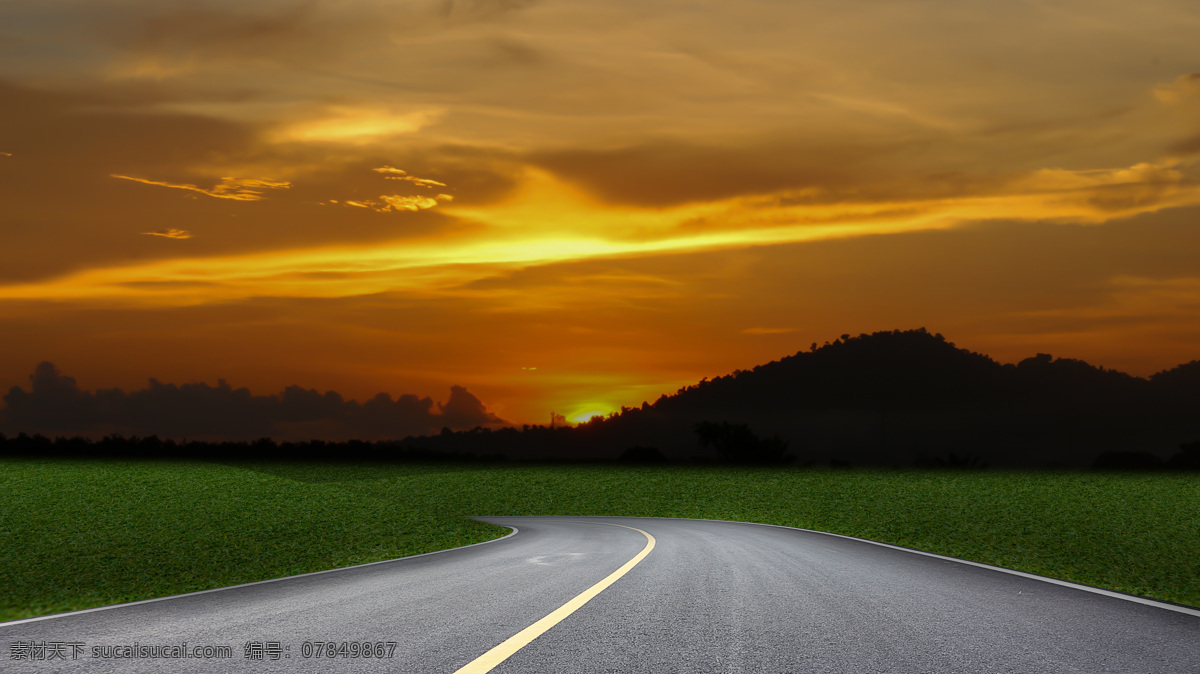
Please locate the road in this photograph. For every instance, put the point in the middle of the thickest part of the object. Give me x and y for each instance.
(681, 596)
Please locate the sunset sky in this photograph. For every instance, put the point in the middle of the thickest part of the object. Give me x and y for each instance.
(574, 205)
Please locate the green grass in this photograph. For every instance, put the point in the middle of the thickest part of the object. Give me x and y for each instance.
(80, 534)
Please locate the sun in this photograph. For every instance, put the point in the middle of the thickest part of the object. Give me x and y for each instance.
(585, 413)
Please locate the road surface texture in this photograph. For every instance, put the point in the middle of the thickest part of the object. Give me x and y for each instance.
(639, 595)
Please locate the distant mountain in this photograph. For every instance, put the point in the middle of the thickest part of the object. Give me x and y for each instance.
(1182, 381)
(895, 398)
(907, 396)
(901, 370)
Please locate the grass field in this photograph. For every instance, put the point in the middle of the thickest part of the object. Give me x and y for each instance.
(79, 534)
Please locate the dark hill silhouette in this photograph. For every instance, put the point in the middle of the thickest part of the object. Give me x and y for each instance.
(912, 396)
(1180, 385)
(895, 368)
(902, 370)
(899, 398)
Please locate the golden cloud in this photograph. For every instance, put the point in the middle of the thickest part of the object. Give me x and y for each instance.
(400, 174)
(421, 182)
(389, 203)
(1062, 179)
(400, 203)
(355, 126)
(244, 189)
(170, 233)
(1138, 188)
(1184, 90)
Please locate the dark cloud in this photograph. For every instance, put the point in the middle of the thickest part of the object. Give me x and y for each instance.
(464, 410)
(89, 128)
(188, 34)
(518, 53)
(56, 405)
(304, 34)
(54, 401)
(62, 210)
(1116, 198)
(661, 174)
(1187, 146)
(474, 10)
(668, 173)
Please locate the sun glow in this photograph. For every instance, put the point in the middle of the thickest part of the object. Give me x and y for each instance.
(589, 411)
(355, 125)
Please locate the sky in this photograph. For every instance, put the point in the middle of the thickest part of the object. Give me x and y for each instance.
(573, 205)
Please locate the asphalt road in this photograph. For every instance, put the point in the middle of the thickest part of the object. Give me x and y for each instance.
(706, 597)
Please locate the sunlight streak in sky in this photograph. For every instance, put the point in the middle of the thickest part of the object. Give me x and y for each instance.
(529, 230)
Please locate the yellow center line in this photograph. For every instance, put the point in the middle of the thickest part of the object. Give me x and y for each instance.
(516, 642)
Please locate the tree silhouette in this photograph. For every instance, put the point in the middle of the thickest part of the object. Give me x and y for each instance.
(643, 455)
(1188, 457)
(736, 443)
(1126, 460)
(953, 461)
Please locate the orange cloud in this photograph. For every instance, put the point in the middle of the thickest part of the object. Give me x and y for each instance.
(400, 174)
(243, 189)
(395, 203)
(400, 203)
(1099, 193)
(1185, 90)
(170, 233)
(354, 126)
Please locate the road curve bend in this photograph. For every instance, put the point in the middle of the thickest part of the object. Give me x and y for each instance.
(644, 595)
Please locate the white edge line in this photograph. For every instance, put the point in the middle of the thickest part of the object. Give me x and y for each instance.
(256, 582)
(1180, 608)
(1024, 574)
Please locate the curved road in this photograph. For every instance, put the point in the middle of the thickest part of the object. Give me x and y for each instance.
(705, 597)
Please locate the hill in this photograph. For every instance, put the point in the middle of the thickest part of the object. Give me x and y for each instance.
(894, 398)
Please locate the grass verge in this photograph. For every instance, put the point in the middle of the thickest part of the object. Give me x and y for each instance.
(81, 534)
